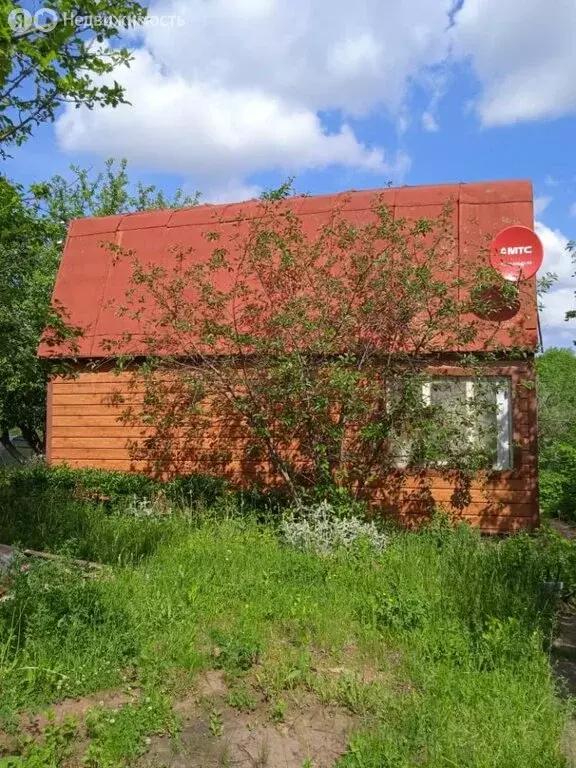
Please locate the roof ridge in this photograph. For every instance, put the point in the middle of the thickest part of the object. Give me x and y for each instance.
(255, 200)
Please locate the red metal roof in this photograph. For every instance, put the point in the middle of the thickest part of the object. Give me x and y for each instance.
(91, 283)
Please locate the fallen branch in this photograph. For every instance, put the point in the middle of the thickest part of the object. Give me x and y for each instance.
(9, 552)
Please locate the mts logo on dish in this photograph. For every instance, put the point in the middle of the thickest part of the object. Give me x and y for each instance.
(517, 250)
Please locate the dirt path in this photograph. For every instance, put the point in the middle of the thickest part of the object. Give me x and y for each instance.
(564, 529)
(564, 654)
(564, 645)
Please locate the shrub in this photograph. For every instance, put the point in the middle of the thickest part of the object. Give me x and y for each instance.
(552, 492)
(109, 485)
(558, 482)
(323, 530)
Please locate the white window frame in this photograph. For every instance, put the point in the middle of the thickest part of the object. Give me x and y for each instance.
(504, 460)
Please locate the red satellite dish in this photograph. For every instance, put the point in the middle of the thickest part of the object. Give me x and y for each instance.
(517, 253)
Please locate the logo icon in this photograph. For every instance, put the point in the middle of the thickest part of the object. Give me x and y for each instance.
(517, 253)
(20, 20)
(45, 20)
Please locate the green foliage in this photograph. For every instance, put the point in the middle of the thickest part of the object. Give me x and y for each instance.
(558, 482)
(109, 192)
(236, 652)
(59, 635)
(111, 486)
(242, 699)
(42, 69)
(278, 713)
(556, 370)
(119, 736)
(326, 349)
(216, 726)
(27, 268)
(112, 517)
(39, 478)
(89, 514)
(33, 227)
(55, 749)
(397, 612)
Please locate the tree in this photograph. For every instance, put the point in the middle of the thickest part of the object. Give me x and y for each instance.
(33, 230)
(556, 370)
(312, 353)
(44, 65)
(24, 303)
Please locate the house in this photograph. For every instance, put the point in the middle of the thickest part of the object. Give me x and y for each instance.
(83, 427)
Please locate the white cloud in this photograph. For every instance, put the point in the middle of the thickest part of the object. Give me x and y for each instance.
(541, 203)
(231, 192)
(555, 330)
(211, 130)
(573, 209)
(562, 297)
(325, 54)
(429, 122)
(556, 257)
(241, 86)
(523, 54)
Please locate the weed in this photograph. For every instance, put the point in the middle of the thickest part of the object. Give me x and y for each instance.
(241, 699)
(51, 752)
(234, 652)
(119, 736)
(278, 713)
(216, 725)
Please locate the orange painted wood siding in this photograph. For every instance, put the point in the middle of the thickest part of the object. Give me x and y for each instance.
(84, 430)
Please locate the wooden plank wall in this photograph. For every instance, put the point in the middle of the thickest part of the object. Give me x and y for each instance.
(84, 431)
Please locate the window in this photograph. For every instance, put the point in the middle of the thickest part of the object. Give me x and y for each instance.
(465, 422)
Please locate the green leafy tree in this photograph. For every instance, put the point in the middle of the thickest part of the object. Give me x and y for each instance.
(556, 370)
(312, 352)
(24, 301)
(33, 228)
(44, 65)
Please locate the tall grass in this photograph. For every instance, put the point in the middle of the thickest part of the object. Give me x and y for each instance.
(453, 630)
(53, 522)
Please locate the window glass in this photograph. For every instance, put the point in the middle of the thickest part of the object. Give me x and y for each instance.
(466, 422)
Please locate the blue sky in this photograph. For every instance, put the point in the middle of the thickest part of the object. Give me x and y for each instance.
(232, 96)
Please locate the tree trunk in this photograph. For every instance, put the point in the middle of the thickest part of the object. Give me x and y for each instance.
(33, 439)
(10, 447)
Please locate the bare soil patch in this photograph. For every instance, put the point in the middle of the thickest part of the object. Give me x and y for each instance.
(214, 734)
(77, 708)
